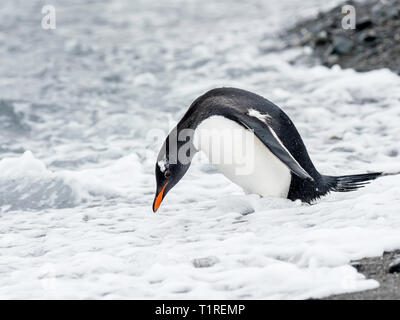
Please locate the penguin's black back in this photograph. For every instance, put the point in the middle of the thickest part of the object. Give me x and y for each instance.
(227, 101)
(223, 101)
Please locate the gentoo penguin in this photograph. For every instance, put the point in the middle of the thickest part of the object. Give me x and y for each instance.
(280, 164)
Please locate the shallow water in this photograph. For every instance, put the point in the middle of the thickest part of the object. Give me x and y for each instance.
(79, 108)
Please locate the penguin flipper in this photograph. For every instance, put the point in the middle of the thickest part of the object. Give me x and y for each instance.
(271, 140)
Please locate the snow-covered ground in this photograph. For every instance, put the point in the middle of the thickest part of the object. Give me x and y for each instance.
(79, 107)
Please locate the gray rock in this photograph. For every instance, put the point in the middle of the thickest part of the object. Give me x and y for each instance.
(205, 262)
(322, 38)
(393, 13)
(357, 265)
(364, 23)
(331, 60)
(376, 268)
(369, 37)
(394, 266)
(377, 8)
(342, 45)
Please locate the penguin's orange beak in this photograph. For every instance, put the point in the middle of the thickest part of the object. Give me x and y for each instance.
(159, 199)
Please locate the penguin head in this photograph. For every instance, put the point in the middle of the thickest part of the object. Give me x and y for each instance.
(168, 173)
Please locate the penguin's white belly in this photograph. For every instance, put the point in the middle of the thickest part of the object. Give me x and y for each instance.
(242, 157)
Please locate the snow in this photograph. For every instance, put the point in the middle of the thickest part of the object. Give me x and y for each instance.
(85, 108)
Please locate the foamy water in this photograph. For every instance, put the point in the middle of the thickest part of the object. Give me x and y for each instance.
(78, 109)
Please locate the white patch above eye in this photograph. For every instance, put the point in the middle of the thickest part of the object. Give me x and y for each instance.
(162, 165)
(263, 117)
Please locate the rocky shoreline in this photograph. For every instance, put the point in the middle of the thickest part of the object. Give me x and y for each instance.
(373, 44)
(385, 270)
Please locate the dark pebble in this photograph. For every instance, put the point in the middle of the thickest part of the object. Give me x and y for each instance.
(363, 23)
(205, 262)
(394, 13)
(322, 38)
(369, 37)
(357, 265)
(394, 266)
(342, 45)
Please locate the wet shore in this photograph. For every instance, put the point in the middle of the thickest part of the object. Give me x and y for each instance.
(373, 44)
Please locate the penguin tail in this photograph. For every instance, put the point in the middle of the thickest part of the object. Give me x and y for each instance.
(309, 191)
(350, 183)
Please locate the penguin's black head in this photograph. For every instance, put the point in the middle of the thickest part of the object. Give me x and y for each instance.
(167, 176)
(169, 170)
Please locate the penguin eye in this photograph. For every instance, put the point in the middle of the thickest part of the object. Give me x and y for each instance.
(167, 174)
